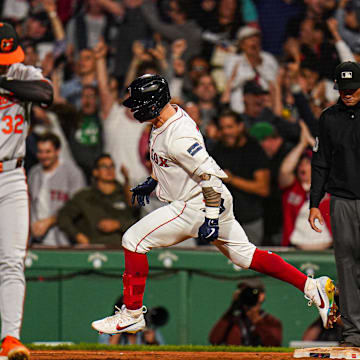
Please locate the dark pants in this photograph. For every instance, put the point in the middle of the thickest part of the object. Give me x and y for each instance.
(345, 224)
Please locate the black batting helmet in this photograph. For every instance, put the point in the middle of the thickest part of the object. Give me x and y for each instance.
(148, 96)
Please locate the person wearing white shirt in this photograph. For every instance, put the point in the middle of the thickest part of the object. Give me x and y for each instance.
(251, 64)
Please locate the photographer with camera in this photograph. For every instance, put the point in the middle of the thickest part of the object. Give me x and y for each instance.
(245, 323)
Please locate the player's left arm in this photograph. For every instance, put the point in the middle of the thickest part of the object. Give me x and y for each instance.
(37, 91)
(192, 155)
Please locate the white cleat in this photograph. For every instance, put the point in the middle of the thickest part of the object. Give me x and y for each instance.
(321, 291)
(124, 320)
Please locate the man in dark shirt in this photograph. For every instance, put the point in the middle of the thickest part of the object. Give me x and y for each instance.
(246, 165)
(335, 169)
(276, 149)
(101, 213)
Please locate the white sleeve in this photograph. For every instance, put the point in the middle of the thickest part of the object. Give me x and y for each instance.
(189, 152)
(344, 51)
(20, 71)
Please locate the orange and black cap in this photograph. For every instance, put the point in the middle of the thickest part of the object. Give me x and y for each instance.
(10, 50)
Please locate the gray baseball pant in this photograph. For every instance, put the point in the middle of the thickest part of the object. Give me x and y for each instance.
(345, 224)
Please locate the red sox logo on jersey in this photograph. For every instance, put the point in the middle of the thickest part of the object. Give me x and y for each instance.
(159, 160)
(58, 195)
(6, 45)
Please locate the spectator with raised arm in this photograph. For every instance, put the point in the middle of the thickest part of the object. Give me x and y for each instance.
(180, 27)
(122, 133)
(132, 28)
(295, 181)
(95, 21)
(348, 24)
(85, 75)
(251, 63)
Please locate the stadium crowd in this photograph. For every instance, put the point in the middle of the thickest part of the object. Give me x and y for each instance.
(253, 74)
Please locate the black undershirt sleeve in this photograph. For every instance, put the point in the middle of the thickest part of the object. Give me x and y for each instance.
(37, 91)
(319, 176)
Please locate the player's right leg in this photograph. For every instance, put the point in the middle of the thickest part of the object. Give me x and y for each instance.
(165, 226)
(234, 244)
(14, 229)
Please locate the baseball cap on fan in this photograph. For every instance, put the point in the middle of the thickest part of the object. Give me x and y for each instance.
(247, 31)
(347, 76)
(10, 50)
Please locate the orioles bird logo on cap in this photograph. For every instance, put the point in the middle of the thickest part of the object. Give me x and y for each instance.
(6, 45)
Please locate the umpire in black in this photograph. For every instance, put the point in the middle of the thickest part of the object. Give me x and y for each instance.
(336, 170)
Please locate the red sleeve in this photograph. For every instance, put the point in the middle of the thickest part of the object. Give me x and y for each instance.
(325, 211)
(220, 330)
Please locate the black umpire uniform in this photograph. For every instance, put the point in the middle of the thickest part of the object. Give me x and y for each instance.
(336, 170)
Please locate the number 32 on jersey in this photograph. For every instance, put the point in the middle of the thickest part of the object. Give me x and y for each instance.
(10, 124)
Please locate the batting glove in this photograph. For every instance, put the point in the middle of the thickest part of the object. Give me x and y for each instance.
(142, 191)
(209, 230)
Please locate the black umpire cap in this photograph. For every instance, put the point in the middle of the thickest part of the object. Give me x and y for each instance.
(347, 76)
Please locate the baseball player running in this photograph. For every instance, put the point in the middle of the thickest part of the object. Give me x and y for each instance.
(20, 85)
(199, 204)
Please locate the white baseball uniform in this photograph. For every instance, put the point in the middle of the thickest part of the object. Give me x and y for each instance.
(177, 150)
(14, 204)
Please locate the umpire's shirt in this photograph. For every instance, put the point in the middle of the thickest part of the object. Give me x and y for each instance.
(336, 157)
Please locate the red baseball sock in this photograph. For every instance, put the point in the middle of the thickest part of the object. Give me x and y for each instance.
(273, 265)
(134, 279)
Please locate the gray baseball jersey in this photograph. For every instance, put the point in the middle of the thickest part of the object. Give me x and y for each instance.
(15, 115)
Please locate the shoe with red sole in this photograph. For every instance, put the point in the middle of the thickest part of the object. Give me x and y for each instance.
(13, 349)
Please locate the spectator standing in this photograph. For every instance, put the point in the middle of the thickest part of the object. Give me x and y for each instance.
(51, 185)
(346, 16)
(252, 63)
(85, 74)
(83, 129)
(273, 17)
(122, 133)
(295, 180)
(208, 101)
(245, 323)
(276, 149)
(334, 170)
(257, 109)
(132, 27)
(101, 213)
(247, 168)
(95, 21)
(180, 26)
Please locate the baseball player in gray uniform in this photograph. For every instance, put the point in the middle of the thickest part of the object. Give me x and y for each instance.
(20, 85)
(198, 204)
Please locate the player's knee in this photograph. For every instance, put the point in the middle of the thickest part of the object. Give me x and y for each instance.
(128, 241)
(13, 270)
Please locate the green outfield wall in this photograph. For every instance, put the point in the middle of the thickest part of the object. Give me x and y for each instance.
(68, 289)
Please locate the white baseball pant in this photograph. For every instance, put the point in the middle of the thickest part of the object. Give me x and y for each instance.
(181, 220)
(14, 231)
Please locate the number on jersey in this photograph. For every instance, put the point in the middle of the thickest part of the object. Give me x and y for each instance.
(11, 124)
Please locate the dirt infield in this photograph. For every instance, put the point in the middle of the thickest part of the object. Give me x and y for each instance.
(154, 355)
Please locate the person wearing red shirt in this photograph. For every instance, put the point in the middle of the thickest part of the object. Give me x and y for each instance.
(295, 180)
